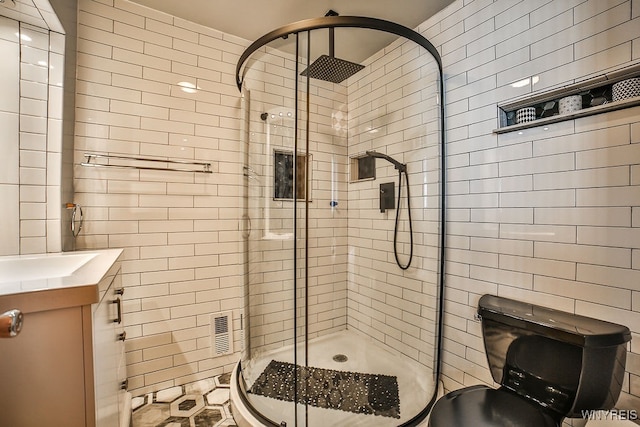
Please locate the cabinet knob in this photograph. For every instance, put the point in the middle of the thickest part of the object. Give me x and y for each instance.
(124, 385)
(119, 291)
(122, 336)
(11, 323)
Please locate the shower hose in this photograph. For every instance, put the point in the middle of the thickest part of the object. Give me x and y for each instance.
(395, 231)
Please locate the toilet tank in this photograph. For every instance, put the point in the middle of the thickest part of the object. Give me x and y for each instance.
(565, 362)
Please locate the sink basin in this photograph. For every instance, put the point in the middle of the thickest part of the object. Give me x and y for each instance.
(43, 266)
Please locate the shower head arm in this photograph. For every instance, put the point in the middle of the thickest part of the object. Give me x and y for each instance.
(332, 34)
(402, 167)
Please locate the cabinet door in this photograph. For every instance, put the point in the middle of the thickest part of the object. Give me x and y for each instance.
(121, 362)
(41, 372)
(123, 405)
(106, 356)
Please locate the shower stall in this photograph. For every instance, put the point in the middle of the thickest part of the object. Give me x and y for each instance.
(343, 225)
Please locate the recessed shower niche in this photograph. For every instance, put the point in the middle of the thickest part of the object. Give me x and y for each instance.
(362, 167)
(332, 274)
(614, 90)
(290, 175)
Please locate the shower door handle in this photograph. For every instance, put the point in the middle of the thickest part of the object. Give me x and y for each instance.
(246, 229)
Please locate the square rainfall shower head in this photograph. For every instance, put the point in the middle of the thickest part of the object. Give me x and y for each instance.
(331, 69)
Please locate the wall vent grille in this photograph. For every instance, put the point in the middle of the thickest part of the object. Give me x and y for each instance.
(221, 333)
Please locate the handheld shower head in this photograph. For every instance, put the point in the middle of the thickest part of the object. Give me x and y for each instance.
(400, 166)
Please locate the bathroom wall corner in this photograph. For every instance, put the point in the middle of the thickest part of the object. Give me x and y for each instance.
(67, 11)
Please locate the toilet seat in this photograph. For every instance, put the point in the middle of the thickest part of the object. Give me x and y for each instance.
(481, 406)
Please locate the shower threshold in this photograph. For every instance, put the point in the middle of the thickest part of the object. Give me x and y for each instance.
(363, 355)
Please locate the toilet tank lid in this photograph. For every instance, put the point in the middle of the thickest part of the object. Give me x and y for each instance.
(571, 328)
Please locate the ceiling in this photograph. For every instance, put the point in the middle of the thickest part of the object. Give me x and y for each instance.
(251, 19)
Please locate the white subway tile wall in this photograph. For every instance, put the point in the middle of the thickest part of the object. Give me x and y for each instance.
(31, 131)
(393, 109)
(545, 215)
(182, 258)
(181, 231)
(10, 136)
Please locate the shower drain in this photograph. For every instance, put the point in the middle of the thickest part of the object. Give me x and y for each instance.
(340, 358)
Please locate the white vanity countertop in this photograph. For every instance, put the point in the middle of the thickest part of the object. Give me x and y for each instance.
(59, 277)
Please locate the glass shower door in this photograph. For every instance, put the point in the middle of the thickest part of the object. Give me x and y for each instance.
(373, 271)
(341, 296)
(277, 172)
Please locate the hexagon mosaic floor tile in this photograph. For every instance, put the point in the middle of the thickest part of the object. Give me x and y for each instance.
(200, 404)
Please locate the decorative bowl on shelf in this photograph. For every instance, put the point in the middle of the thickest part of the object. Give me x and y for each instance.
(626, 89)
(569, 104)
(527, 114)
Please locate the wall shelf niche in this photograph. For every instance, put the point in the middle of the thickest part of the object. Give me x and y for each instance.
(596, 98)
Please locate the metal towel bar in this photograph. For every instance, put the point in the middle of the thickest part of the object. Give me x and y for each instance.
(206, 167)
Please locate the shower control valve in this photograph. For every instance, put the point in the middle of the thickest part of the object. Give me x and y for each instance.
(387, 196)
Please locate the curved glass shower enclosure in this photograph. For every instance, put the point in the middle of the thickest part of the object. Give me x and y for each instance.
(343, 226)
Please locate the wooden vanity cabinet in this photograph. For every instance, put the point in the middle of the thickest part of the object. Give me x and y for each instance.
(109, 368)
(66, 366)
(43, 371)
